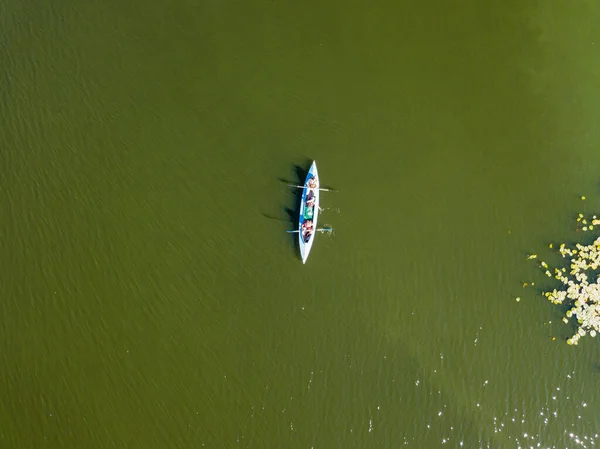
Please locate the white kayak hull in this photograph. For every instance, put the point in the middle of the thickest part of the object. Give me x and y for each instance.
(306, 240)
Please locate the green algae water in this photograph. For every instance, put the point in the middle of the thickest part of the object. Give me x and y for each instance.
(151, 297)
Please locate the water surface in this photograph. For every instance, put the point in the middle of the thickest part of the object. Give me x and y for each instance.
(151, 297)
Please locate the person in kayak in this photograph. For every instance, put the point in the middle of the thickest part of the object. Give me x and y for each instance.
(310, 199)
(307, 229)
(312, 183)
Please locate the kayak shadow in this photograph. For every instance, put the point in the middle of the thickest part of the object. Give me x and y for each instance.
(292, 215)
(292, 210)
(300, 173)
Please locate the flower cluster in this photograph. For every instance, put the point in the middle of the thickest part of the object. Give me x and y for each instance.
(580, 292)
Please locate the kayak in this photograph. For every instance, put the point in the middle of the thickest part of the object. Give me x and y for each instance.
(309, 211)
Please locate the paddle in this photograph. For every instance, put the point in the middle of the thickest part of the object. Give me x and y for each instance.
(301, 187)
(320, 230)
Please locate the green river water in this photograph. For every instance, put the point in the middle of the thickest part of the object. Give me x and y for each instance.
(150, 295)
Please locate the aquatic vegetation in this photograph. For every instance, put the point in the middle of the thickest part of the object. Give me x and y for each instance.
(580, 288)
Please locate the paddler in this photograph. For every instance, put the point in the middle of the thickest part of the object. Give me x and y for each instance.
(307, 228)
(310, 199)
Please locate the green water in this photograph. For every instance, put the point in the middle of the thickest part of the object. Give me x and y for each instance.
(150, 296)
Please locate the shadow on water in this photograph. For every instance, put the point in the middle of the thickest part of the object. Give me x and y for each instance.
(293, 213)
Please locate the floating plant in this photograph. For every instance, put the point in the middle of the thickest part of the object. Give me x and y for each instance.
(580, 285)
